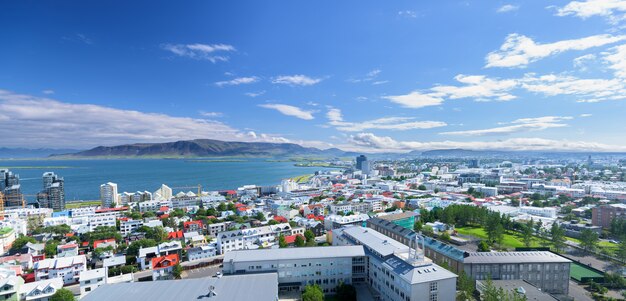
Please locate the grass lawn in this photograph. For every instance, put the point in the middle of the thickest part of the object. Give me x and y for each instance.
(510, 240)
(73, 205)
(302, 179)
(577, 271)
(602, 245)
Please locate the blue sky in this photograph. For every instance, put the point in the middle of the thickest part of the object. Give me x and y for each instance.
(359, 75)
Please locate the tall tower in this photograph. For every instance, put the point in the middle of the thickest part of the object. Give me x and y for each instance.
(359, 161)
(108, 195)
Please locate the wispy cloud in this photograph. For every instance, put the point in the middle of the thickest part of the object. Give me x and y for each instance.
(210, 52)
(79, 37)
(507, 8)
(415, 100)
(370, 76)
(238, 81)
(290, 110)
(335, 119)
(371, 142)
(255, 94)
(519, 50)
(585, 115)
(519, 125)
(296, 80)
(613, 10)
(211, 114)
(29, 121)
(48, 92)
(408, 14)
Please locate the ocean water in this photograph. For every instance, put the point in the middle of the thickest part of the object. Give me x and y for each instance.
(83, 177)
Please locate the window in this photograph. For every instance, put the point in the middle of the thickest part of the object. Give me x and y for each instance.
(433, 286)
(433, 297)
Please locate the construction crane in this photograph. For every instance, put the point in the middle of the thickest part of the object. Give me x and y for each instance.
(199, 187)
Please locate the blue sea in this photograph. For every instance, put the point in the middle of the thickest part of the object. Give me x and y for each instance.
(83, 177)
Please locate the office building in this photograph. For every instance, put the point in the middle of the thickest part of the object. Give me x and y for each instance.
(396, 271)
(108, 195)
(359, 161)
(10, 186)
(53, 193)
(297, 267)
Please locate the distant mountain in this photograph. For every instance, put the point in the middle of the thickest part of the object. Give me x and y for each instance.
(206, 148)
(22, 153)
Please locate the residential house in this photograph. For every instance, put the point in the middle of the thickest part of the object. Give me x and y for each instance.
(67, 268)
(67, 250)
(163, 267)
(202, 252)
(10, 287)
(40, 290)
(166, 248)
(92, 279)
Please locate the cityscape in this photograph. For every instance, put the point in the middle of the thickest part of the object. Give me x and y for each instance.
(313, 150)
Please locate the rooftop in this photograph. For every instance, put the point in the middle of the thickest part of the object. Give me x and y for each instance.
(514, 257)
(398, 216)
(294, 253)
(375, 240)
(531, 292)
(251, 287)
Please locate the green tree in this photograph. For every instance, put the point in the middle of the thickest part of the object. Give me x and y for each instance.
(421, 187)
(299, 241)
(282, 242)
(309, 235)
(177, 271)
(260, 216)
(483, 246)
(428, 230)
(312, 293)
(62, 294)
(346, 292)
(558, 237)
(445, 236)
(465, 286)
(51, 248)
(133, 249)
(221, 207)
(273, 222)
(527, 233)
(417, 226)
(620, 253)
(588, 240)
(538, 227)
(21, 241)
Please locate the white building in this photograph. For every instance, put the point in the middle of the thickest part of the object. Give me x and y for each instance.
(92, 279)
(166, 248)
(338, 221)
(40, 290)
(202, 252)
(108, 195)
(130, 226)
(251, 238)
(7, 237)
(102, 220)
(396, 271)
(163, 193)
(67, 268)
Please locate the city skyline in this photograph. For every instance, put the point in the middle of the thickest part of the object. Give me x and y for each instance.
(359, 76)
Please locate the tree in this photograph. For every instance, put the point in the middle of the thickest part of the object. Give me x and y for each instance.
(133, 249)
(21, 241)
(621, 250)
(558, 237)
(62, 295)
(51, 248)
(466, 286)
(312, 293)
(282, 242)
(491, 293)
(417, 226)
(421, 187)
(346, 292)
(445, 236)
(221, 207)
(273, 222)
(309, 235)
(177, 271)
(299, 241)
(527, 233)
(538, 227)
(427, 229)
(483, 246)
(588, 240)
(260, 216)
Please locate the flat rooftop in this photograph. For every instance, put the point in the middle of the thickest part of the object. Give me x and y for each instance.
(293, 253)
(397, 216)
(382, 244)
(514, 257)
(522, 287)
(251, 287)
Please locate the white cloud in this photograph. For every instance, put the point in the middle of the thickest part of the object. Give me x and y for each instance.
(238, 81)
(289, 110)
(48, 92)
(477, 86)
(255, 94)
(296, 80)
(371, 142)
(616, 60)
(613, 10)
(379, 82)
(588, 90)
(209, 52)
(519, 125)
(370, 76)
(507, 8)
(582, 61)
(211, 114)
(387, 123)
(585, 115)
(415, 100)
(407, 13)
(29, 121)
(519, 50)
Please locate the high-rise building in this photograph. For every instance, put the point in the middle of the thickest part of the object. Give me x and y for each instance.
(53, 193)
(474, 163)
(10, 186)
(359, 161)
(108, 195)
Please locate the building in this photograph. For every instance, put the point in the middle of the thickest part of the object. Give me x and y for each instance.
(604, 214)
(92, 279)
(396, 271)
(10, 288)
(130, 226)
(67, 268)
(67, 250)
(53, 193)
(108, 195)
(203, 252)
(7, 237)
(163, 267)
(297, 267)
(214, 229)
(251, 238)
(10, 186)
(40, 290)
(544, 270)
(521, 287)
(165, 248)
(338, 221)
(258, 287)
(359, 161)
(404, 219)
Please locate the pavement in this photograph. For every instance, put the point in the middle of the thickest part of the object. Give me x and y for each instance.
(578, 292)
(202, 272)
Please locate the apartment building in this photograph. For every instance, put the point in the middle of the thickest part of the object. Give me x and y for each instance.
(251, 238)
(166, 248)
(67, 268)
(203, 252)
(338, 221)
(297, 267)
(603, 215)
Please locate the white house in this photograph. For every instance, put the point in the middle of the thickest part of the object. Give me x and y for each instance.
(67, 268)
(40, 290)
(202, 252)
(92, 279)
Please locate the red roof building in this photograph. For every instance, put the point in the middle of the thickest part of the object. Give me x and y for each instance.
(280, 219)
(291, 239)
(164, 261)
(103, 243)
(175, 235)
